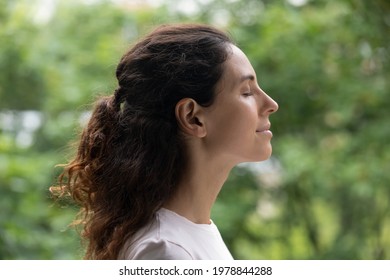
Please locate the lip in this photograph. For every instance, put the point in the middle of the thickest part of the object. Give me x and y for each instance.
(265, 128)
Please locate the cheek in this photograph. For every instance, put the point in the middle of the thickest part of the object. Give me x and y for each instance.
(238, 122)
(245, 116)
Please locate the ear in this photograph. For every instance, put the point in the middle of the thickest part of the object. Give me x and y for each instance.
(189, 117)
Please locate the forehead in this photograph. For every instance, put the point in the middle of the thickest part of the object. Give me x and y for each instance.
(237, 68)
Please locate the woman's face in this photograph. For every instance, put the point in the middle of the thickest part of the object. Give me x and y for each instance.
(238, 126)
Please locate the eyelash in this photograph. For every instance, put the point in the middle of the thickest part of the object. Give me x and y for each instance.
(246, 94)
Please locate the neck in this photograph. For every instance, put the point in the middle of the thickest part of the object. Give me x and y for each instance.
(198, 189)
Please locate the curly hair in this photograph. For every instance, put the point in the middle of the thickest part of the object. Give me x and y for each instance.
(131, 153)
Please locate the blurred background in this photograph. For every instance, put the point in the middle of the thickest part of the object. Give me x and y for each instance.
(324, 194)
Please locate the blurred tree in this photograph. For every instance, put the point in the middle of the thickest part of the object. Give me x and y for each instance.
(20, 74)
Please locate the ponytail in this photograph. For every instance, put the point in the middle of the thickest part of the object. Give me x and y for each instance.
(119, 175)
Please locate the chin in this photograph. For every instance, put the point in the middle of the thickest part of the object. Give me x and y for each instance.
(266, 154)
(258, 158)
(264, 158)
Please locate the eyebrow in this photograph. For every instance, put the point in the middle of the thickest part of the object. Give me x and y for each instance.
(247, 77)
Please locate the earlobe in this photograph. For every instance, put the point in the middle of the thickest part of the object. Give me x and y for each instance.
(189, 117)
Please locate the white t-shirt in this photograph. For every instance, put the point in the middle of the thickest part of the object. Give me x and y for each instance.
(172, 237)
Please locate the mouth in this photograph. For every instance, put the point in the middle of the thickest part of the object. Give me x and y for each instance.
(265, 128)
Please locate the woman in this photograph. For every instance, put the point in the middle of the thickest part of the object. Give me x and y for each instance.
(155, 154)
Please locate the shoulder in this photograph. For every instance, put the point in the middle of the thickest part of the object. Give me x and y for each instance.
(156, 242)
(160, 250)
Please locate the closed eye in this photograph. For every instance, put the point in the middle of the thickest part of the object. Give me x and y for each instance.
(246, 94)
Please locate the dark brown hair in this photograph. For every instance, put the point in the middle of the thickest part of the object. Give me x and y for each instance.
(130, 155)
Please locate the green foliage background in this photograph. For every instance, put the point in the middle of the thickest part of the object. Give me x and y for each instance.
(324, 194)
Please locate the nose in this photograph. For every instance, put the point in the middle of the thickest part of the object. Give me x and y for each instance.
(273, 105)
(269, 105)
